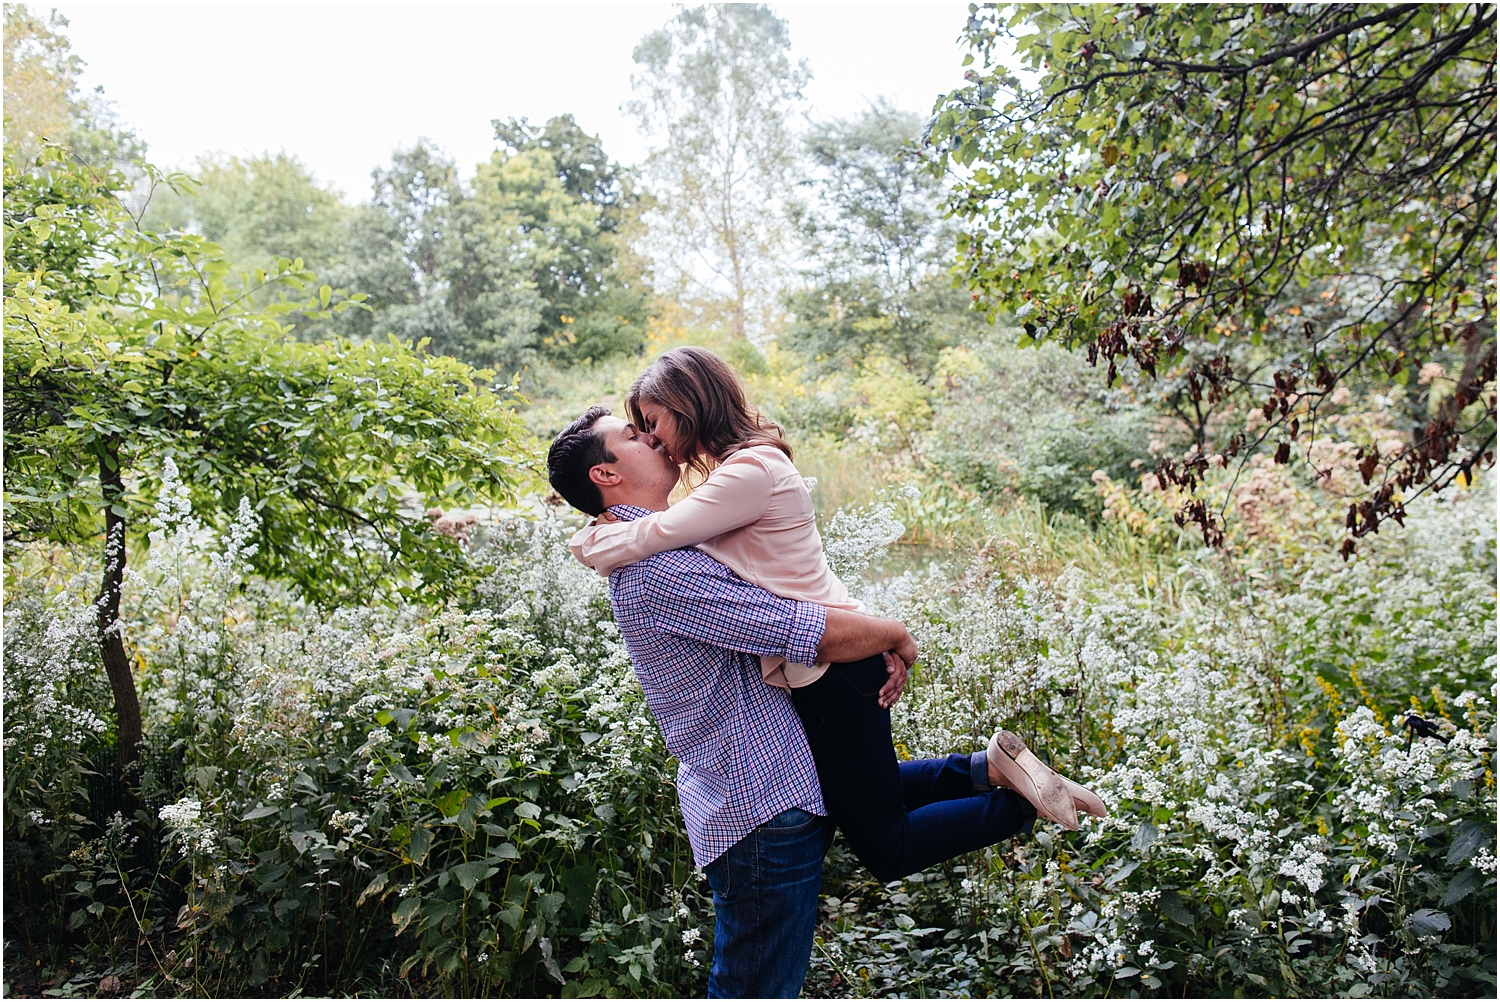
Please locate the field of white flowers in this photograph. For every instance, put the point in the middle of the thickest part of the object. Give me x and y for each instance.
(476, 801)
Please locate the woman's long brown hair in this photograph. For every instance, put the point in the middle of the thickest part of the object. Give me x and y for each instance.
(705, 397)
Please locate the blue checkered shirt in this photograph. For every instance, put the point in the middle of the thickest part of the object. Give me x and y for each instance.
(696, 633)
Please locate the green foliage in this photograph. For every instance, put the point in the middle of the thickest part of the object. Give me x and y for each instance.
(871, 225)
(475, 802)
(1273, 828)
(61, 227)
(872, 210)
(718, 84)
(42, 100)
(1261, 203)
(571, 207)
(1031, 422)
(125, 348)
(457, 789)
(991, 424)
(529, 265)
(257, 210)
(839, 325)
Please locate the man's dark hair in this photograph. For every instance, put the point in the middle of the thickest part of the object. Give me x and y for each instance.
(577, 449)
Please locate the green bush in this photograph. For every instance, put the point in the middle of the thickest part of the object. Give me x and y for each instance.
(1274, 829)
(1034, 422)
(476, 801)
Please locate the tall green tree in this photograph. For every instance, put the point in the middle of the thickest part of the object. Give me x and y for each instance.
(528, 263)
(258, 209)
(436, 267)
(43, 101)
(556, 192)
(717, 83)
(1262, 203)
(871, 209)
(124, 348)
(871, 220)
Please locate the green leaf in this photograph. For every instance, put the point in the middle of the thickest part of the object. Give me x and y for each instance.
(1462, 886)
(1471, 836)
(374, 887)
(421, 842)
(1171, 906)
(405, 912)
(1121, 872)
(1429, 922)
(305, 839)
(452, 803)
(471, 873)
(260, 812)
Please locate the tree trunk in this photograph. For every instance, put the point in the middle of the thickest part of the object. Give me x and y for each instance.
(111, 631)
(739, 288)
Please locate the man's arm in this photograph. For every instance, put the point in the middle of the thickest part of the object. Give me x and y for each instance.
(850, 636)
(693, 596)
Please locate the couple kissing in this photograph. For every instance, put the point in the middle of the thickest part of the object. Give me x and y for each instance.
(771, 685)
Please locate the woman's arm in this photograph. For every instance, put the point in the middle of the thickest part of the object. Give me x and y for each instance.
(734, 495)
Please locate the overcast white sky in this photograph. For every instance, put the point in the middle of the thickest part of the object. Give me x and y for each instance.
(342, 84)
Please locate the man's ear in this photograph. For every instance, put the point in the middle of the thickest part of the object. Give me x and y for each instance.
(604, 476)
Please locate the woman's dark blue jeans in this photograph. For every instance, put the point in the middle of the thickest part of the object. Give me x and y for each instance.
(897, 817)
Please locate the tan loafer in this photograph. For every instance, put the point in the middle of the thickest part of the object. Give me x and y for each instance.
(1033, 779)
(1086, 800)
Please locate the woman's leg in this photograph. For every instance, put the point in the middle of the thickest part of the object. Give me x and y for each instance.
(898, 817)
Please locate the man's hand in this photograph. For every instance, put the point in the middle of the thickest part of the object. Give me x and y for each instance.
(896, 670)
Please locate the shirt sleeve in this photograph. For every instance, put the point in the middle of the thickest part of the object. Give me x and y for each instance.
(733, 496)
(723, 610)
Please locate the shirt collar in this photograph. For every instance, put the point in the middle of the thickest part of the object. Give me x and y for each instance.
(629, 512)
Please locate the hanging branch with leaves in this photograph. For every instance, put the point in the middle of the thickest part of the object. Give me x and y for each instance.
(1245, 204)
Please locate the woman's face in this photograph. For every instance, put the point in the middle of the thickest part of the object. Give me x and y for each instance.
(661, 423)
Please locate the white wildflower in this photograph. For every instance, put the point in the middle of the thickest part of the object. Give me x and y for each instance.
(1305, 863)
(185, 828)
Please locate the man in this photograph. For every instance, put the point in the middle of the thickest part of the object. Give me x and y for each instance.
(747, 783)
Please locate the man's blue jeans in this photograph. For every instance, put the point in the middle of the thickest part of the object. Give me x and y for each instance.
(766, 906)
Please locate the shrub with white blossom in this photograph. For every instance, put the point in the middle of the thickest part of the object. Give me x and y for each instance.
(477, 801)
(1275, 827)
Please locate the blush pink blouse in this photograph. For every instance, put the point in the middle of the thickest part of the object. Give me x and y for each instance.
(753, 514)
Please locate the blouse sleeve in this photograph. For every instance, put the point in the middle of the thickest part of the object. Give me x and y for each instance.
(734, 495)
